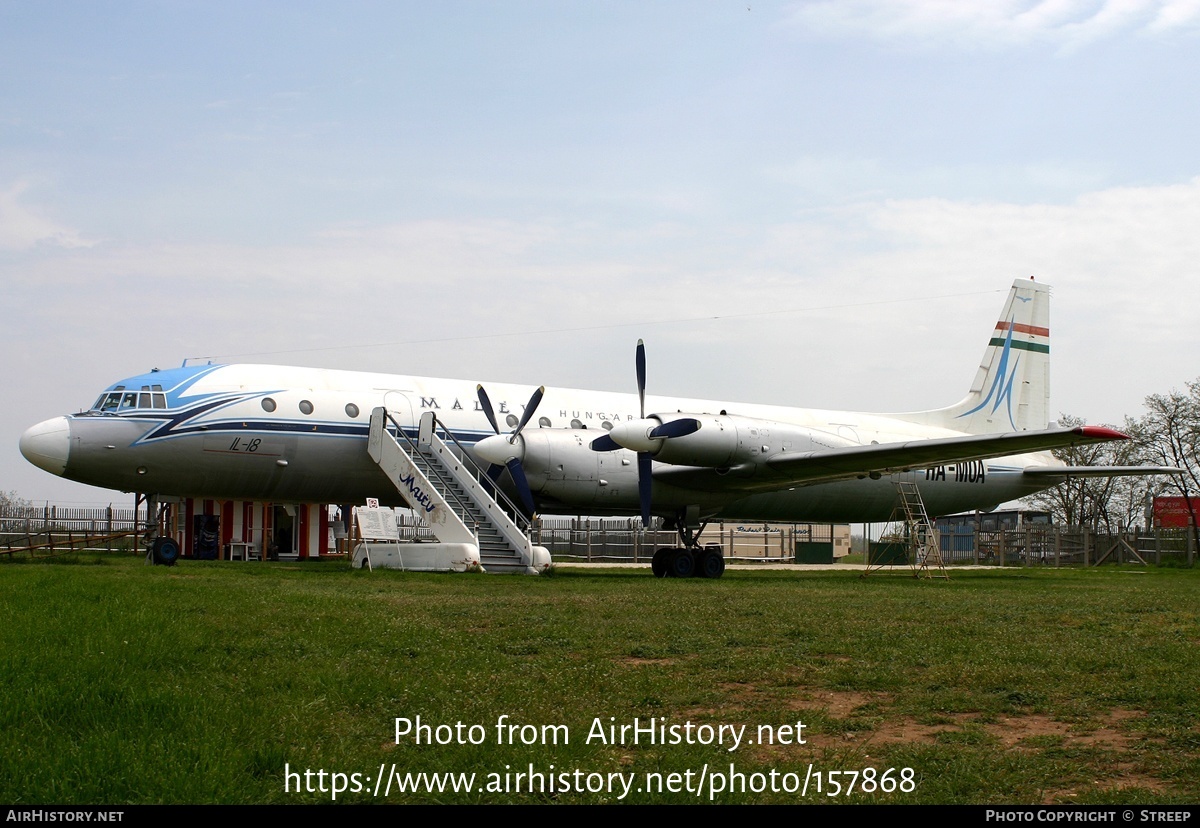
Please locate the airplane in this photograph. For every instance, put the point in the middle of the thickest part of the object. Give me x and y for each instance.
(299, 435)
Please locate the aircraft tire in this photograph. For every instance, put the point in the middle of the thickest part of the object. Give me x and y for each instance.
(683, 563)
(660, 564)
(165, 551)
(711, 564)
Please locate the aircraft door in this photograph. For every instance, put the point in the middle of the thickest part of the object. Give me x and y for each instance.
(399, 405)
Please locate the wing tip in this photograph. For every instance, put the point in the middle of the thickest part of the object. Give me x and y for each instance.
(1101, 433)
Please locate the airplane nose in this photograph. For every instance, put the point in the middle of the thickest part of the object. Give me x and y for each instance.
(47, 444)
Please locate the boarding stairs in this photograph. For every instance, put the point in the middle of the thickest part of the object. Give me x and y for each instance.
(452, 495)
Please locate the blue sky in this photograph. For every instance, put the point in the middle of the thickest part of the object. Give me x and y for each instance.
(815, 203)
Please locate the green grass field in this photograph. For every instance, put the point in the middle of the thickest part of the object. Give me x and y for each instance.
(200, 683)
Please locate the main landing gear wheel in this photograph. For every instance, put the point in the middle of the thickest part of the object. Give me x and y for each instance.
(691, 559)
(683, 563)
(164, 552)
(711, 563)
(660, 564)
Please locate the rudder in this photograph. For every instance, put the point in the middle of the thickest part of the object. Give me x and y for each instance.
(1011, 391)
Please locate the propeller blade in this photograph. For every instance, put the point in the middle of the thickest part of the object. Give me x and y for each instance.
(493, 475)
(605, 443)
(522, 484)
(676, 428)
(486, 405)
(534, 402)
(645, 481)
(640, 362)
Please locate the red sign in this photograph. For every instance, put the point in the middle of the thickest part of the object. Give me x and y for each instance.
(1172, 512)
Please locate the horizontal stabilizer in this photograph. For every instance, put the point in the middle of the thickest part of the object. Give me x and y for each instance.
(1100, 471)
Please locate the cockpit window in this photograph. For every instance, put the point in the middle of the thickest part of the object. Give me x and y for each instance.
(118, 399)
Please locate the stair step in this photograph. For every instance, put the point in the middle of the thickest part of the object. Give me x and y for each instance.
(442, 466)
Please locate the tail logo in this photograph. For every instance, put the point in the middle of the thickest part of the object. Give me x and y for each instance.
(1000, 392)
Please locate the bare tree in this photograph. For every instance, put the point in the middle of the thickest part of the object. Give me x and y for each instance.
(1103, 504)
(13, 511)
(1168, 435)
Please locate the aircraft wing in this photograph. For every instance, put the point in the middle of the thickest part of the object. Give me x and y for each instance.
(806, 468)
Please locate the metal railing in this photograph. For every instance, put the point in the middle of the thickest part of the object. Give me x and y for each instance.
(514, 512)
(445, 484)
(623, 540)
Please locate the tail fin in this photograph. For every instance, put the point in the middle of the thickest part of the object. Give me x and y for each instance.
(1011, 391)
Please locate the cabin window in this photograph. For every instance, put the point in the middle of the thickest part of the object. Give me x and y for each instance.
(607, 425)
(512, 420)
(543, 422)
(351, 410)
(306, 407)
(268, 404)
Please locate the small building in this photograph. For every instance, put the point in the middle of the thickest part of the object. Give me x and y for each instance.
(248, 530)
(959, 534)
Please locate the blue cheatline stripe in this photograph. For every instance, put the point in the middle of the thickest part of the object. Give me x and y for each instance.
(173, 426)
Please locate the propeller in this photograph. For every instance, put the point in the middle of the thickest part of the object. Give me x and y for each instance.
(505, 451)
(643, 436)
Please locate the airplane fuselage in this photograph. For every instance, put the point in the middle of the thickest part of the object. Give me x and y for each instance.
(285, 434)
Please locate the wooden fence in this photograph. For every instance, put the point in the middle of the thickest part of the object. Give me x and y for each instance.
(624, 540)
(52, 529)
(1069, 546)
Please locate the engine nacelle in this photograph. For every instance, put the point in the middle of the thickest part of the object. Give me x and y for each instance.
(560, 464)
(727, 440)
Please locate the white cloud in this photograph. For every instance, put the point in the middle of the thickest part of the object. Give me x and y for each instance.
(23, 228)
(800, 312)
(1065, 23)
(1125, 263)
(1176, 13)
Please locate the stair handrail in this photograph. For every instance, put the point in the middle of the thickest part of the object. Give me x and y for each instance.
(446, 489)
(515, 513)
